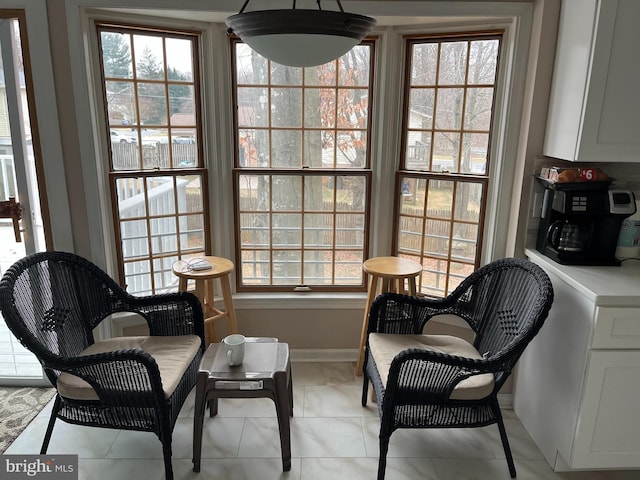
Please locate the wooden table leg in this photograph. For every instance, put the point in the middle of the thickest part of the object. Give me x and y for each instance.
(373, 287)
(228, 304)
(412, 286)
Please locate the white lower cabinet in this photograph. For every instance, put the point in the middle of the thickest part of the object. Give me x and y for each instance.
(608, 430)
(577, 386)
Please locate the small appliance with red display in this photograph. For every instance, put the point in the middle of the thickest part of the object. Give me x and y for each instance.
(580, 222)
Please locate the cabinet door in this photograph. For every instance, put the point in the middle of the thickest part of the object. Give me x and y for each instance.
(608, 424)
(594, 96)
(611, 121)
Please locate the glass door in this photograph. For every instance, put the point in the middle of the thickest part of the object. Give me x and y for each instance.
(21, 226)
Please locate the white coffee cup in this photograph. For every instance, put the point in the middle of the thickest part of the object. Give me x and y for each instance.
(235, 349)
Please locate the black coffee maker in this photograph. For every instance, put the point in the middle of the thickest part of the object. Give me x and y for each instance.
(581, 226)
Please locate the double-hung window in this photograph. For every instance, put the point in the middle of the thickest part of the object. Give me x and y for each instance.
(158, 181)
(441, 185)
(302, 176)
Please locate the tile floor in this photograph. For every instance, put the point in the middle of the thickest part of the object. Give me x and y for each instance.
(333, 437)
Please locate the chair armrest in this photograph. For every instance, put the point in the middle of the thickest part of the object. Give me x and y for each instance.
(403, 314)
(419, 376)
(119, 378)
(171, 314)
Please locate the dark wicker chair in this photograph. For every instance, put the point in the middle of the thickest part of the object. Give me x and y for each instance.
(436, 386)
(52, 302)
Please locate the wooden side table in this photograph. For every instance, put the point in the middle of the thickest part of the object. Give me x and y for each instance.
(388, 273)
(204, 291)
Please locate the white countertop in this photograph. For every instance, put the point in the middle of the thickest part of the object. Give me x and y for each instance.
(609, 286)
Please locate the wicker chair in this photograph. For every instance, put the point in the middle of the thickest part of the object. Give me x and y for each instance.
(52, 302)
(439, 381)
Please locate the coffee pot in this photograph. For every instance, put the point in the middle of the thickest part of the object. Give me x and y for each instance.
(567, 237)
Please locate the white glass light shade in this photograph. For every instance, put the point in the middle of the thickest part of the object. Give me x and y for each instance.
(300, 38)
(301, 50)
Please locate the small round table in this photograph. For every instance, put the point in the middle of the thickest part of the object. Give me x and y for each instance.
(204, 291)
(392, 271)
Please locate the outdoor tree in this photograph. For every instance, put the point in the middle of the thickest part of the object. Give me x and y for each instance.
(152, 103)
(116, 64)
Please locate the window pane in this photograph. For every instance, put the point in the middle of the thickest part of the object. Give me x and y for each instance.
(424, 64)
(483, 61)
(449, 108)
(153, 117)
(318, 230)
(451, 90)
(352, 108)
(179, 59)
(351, 193)
(287, 230)
(348, 267)
(354, 66)
(255, 192)
(134, 239)
(468, 202)
(148, 53)
(254, 148)
(421, 102)
(453, 63)
(255, 230)
(116, 58)
(287, 268)
(286, 193)
(446, 150)
(121, 109)
(252, 107)
(256, 267)
(477, 114)
(318, 267)
(131, 198)
(284, 75)
(152, 104)
(292, 123)
(474, 153)
(286, 107)
(286, 149)
(182, 107)
(319, 107)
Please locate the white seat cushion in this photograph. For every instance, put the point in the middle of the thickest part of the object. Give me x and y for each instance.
(173, 354)
(384, 347)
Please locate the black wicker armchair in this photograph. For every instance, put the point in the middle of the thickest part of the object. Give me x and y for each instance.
(52, 302)
(440, 381)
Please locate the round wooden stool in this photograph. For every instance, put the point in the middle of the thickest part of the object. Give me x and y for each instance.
(388, 273)
(204, 291)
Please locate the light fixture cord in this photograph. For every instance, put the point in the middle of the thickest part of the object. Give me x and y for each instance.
(243, 6)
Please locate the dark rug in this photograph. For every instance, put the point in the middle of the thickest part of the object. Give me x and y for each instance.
(18, 406)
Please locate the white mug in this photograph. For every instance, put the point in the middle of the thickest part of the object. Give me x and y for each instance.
(235, 349)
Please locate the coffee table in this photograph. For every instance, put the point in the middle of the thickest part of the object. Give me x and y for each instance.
(265, 372)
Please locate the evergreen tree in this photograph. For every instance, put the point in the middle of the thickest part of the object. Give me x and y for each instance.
(116, 55)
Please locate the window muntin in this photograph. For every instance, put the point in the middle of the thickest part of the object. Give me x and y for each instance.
(302, 177)
(157, 175)
(450, 85)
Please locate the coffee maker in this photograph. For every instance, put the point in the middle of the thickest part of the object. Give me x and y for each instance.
(581, 226)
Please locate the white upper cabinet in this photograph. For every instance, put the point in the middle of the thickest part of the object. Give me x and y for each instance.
(594, 109)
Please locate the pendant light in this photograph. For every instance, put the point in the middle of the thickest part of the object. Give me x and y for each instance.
(300, 37)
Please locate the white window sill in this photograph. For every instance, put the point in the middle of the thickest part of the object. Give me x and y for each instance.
(285, 301)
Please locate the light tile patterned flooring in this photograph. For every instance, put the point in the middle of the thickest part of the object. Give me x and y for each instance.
(15, 360)
(333, 437)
